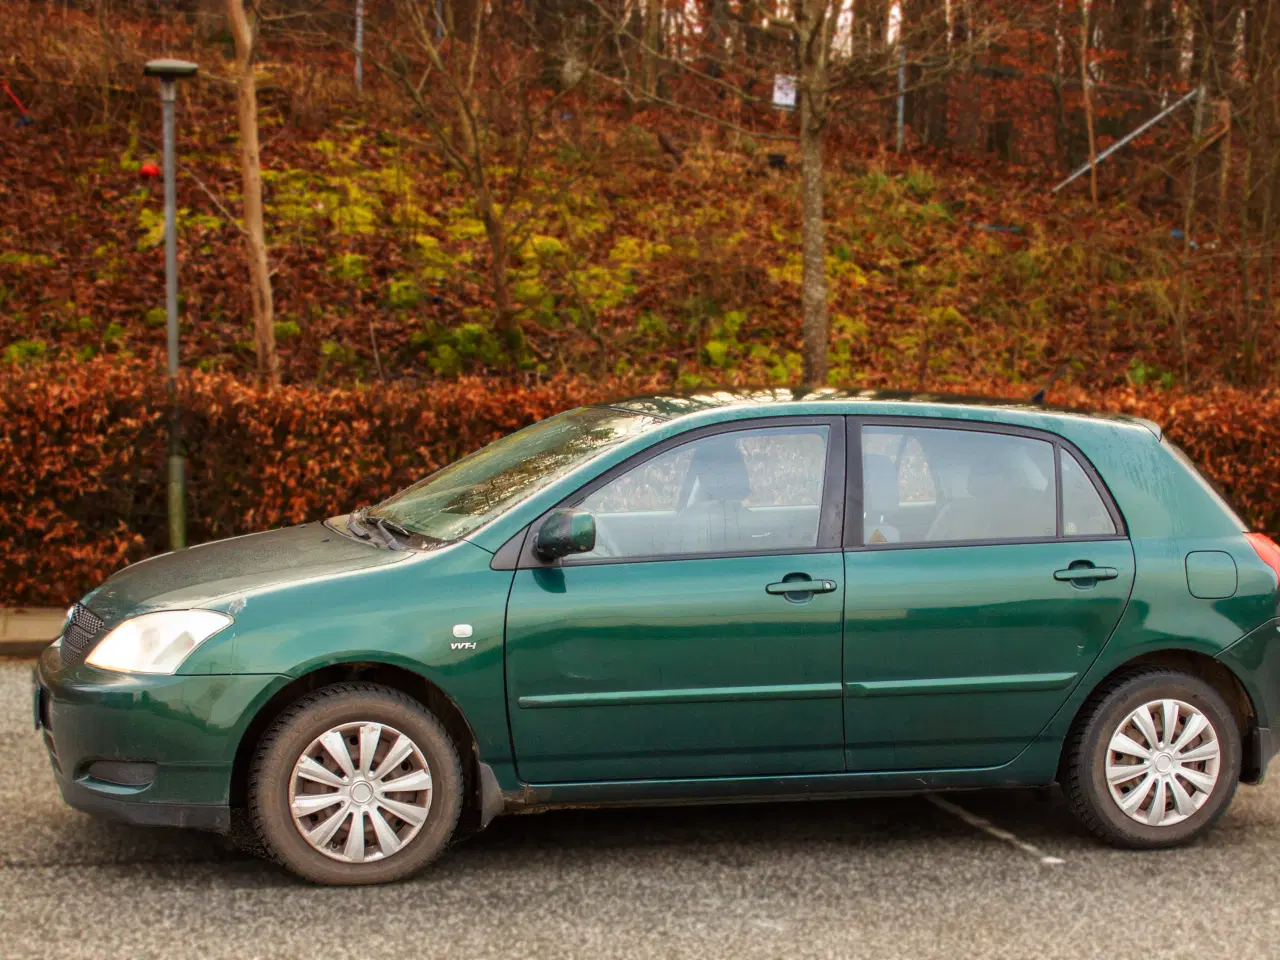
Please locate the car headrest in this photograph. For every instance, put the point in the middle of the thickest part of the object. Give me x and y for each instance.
(720, 471)
(879, 483)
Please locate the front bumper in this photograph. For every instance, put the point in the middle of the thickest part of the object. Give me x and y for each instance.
(142, 812)
(153, 750)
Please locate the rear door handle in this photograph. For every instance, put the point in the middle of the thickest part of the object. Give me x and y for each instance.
(1072, 574)
(801, 586)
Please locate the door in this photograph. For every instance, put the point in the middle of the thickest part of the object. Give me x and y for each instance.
(990, 570)
(702, 636)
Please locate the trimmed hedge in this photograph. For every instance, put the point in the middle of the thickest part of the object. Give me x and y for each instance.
(82, 492)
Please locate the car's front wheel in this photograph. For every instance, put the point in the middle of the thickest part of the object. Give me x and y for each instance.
(355, 783)
(1154, 761)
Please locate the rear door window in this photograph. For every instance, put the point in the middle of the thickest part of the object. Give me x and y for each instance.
(925, 485)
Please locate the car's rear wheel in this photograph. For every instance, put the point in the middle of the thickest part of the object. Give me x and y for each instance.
(1154, 761)
(355, 783)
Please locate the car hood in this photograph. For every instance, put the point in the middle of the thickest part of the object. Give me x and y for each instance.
(201, 574)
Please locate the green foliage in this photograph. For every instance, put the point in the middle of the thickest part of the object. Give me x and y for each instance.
(129, 161)
(25, 261)
(460, 349)
(920, 183)
(403, 294)
(717, 352)
(1141, 375)
(547, 247)
(652, 327)
(287, 329)
(350, 267)
(618, 264)
(353, 209)
(788, 368)
(875, 181)
(298, 196)
(334, 352)
(25, 351)
(437, 263)
(465, 228)
(151, 223)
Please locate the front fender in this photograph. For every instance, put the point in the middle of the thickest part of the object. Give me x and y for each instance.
(403, 615)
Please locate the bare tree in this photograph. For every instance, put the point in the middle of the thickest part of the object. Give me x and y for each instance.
(264, 336)
(815, 26)
(736, 63)
(482, 105)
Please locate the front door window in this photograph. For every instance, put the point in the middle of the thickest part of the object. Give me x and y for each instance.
(742, 492)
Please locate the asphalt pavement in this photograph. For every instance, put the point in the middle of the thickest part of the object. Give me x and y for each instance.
(993, 874)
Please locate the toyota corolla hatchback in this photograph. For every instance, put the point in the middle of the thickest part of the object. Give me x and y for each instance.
(671, 600)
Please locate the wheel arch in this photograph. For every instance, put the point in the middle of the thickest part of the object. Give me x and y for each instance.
(1213, 672)
(480, 790)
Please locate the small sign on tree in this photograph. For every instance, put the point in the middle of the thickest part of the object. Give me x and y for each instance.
(784, 91)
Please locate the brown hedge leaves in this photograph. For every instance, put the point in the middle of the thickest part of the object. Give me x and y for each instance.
(83, 446)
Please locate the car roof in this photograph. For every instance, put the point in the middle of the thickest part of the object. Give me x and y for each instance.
(671, 406)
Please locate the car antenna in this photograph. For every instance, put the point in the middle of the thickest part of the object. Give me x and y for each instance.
(1038, 397)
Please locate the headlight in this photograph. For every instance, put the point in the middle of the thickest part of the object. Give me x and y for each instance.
(156, 642)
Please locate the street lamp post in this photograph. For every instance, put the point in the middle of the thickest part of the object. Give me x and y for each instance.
(170, 72)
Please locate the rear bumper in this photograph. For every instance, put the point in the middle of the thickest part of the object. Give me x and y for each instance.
(150, 750)
(1255, 661)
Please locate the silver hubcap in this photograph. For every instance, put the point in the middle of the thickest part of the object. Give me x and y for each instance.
(360, 792)
(1162, 762)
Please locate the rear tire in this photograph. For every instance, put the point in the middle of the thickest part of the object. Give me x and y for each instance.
(322, 773)
(1184, 782)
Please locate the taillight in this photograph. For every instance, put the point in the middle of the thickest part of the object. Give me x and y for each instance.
(1267, 550)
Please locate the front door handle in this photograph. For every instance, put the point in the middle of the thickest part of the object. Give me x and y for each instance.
(801, 586)
(1076, 574)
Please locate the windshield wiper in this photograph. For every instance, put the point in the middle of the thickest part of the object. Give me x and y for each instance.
(389, 532)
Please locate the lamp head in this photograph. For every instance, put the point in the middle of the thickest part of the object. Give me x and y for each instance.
(170, 69)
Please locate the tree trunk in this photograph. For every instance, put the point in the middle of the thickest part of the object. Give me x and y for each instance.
(652, 44)
(1224, 160)
(815, 23)
(1088, 100)
(814, 272)
(264, 334)
(499, 257)
(1187, 210)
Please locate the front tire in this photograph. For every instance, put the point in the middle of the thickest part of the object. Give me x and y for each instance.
(1154, 761)
(355, 784)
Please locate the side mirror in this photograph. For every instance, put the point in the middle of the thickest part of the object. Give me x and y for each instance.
(565, 531)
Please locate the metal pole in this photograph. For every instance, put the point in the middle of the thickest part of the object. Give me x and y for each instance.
(176, 492)
(1125, 139)
(359, 45)
(902, 88)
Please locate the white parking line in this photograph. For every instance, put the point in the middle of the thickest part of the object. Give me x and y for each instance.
(987, 827)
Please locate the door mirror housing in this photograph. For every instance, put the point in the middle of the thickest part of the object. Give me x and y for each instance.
(565, 531)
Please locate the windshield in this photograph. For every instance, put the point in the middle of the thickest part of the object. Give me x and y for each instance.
(464, 496)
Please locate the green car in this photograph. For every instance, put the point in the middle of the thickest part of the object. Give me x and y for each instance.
(692, 599)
